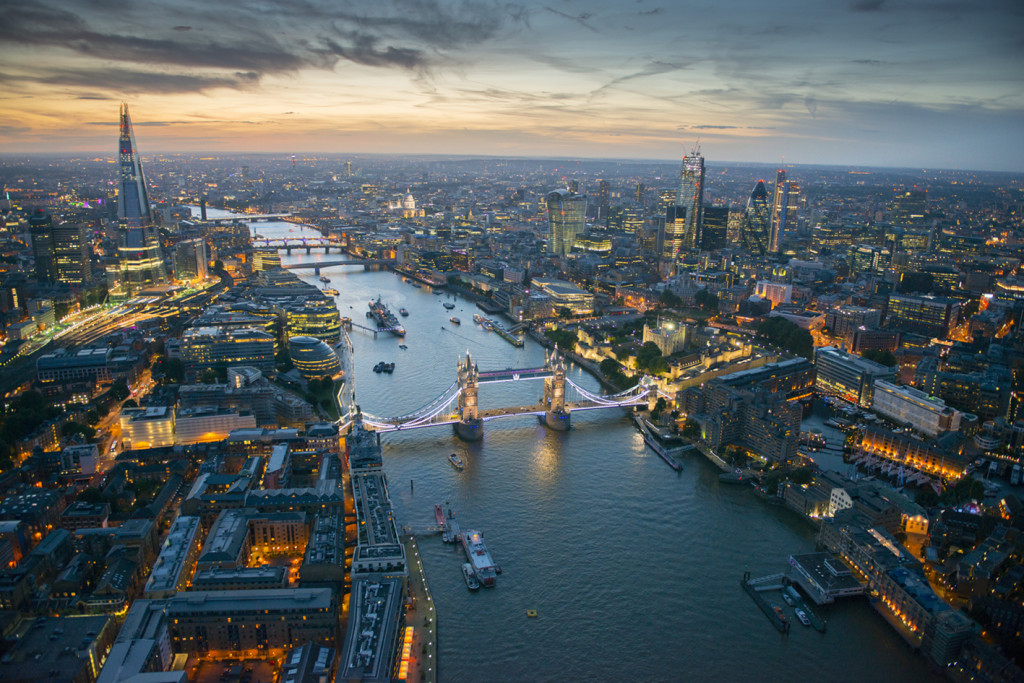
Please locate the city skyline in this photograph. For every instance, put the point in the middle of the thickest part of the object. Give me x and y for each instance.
(873, 83)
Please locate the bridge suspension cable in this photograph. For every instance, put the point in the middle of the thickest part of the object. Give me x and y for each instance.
(630, 395)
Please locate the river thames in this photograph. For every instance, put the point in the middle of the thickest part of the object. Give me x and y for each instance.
(634, 570)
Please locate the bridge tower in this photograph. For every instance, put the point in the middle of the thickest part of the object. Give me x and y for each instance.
(470, 427)
(555, 416)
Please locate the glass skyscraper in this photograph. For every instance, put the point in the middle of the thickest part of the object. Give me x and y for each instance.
(691, 197)
(142, 262)
(567, 213)
(756, 220)
(784, 208)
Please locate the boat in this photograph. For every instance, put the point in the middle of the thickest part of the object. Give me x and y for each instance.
(470, 577)
(455, 321)
(478, 319)
(388, 368)
(324, 279)
(403, 347)
(449, 305)
(386, 320)
(439, 514)
(332, 292)
(404, 313)
(379, 367)
(779, 613)
(802, 616)
(479, 557)
(456, 461)
(789, 600)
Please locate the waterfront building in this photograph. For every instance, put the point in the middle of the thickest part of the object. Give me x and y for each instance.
(567, 213)
(793, 378)
(142, 262)
(265, 259)
(765, 423)
(376, 612)
(847, 376)
(176, 562)
(255, 620)
(216, 346)
(567, 295)
(914, 408)
(932, 316)
(943, 458)
(313, 358)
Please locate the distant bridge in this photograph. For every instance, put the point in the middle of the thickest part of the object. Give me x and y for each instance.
(457, 405)
(251, 218)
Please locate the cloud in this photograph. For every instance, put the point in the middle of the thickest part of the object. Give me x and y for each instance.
(133, 80)
(867, 5)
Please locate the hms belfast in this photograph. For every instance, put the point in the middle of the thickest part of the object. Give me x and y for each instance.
(139, 253)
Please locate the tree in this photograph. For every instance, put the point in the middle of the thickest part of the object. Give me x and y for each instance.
(564, 312)
(130, 403)
(566, 339)
(706, 300)
(802, 475)
(171, 369)
(786, 335)
(880, 356)
(92, 417)
(669, 299)
(609, 367)
(119, 390)
(691, 428)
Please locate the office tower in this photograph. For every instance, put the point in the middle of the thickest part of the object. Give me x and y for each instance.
(40, 226)
(783, 211)
(909, 207)
(640, 192)
(756, 220)
(691, 196)
(603, 198)
(566, 218)
(348, 169)
(71, 254)
(714, 233)
(190, 260)
(933, 316)
(574, 186)
(675, 231)
(142, 262)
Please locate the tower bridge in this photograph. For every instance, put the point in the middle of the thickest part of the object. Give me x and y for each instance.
(458, 405)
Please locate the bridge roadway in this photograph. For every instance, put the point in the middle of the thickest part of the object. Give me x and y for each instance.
(329, 264)
(538, 409)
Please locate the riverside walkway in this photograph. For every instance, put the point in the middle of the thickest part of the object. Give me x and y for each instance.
(421, 616)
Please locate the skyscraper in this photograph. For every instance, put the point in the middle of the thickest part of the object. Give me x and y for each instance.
(756, 220)
(715, 228)
(566, 218)
(784, 208)
(691, 197)
(71, 253)
(40, 225)
(675, 232)
(142, 262)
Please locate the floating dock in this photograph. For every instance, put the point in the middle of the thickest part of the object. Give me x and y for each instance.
(665, 454)
(765, 583)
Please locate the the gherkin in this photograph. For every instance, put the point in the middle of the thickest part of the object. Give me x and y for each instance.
(756, 220)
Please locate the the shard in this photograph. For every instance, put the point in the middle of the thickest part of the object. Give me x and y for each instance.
(142, 262)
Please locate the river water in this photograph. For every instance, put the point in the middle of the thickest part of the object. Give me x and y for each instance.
(633, 569)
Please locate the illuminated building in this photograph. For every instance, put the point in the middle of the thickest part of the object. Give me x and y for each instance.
(848, 376)
(150, 427)
(61, 251)
(844, 320)
(39, 226)
(776, 292)
(781, 206)
(757, 220)
(376, 611)
(940, 459)
(251, 620)
(765, 423)
(142, 263)
(932, 316)
(265, 259)
(176, 562)
(691, 198)
(909, 207)
(865, 258)
(914, 408)
(567, 295)
(674, 232)
(205, 347)
(313, 358)
(567, 213)
(715, 228)
(239, 534)
(190, 260)
(668, 336)
(209, 423)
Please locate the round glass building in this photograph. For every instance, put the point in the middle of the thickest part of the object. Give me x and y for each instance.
(312, 357)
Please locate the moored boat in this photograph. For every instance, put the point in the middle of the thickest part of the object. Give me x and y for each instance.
(470, 576)
(802, 616)
(456, 461)
(455, 321)
(479, 557)
(449, 305)
(404, 313)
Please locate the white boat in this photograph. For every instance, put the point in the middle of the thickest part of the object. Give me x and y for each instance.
(470, 577)
(802, 616)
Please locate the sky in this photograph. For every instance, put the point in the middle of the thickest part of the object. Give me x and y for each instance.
(904, 83)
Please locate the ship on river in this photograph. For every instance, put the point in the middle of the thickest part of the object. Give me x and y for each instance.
(386, 320)
(479, 557)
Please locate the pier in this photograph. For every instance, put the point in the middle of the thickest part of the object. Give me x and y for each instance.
(753, 588)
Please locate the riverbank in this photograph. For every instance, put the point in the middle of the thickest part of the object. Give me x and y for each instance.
(420, 616)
